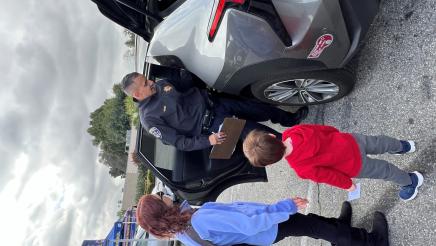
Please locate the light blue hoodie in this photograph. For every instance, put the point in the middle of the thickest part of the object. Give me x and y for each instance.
(239, 222)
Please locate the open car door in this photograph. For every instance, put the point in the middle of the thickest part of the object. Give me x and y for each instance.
(139, 16)
(191, 175)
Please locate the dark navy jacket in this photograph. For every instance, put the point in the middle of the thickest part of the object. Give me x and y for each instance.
(175, 116)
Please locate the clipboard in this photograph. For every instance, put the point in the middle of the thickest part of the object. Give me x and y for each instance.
(232, 127)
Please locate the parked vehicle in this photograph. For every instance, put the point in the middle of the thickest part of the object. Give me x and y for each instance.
(290, 52)
(293, 52)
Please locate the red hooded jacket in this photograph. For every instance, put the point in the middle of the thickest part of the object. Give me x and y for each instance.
(323, 154)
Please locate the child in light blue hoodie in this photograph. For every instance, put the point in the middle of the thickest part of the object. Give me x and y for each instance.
(247, 223)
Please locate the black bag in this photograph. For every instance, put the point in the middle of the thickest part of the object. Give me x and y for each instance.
(194, 236)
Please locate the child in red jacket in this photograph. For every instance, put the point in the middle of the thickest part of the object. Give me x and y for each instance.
(325, 155)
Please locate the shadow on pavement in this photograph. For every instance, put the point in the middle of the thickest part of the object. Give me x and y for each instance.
(424, 163)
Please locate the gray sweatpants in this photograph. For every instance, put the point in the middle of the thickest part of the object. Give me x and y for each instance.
(380, 169)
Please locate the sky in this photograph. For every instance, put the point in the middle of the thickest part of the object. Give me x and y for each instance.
(58, 62)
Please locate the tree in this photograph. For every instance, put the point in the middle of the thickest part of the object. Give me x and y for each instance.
(108, 126)
(129, 54)
(135, 158)
(130, 42)
(121, 213)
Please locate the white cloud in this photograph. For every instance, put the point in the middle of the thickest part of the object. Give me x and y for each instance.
(59, 62)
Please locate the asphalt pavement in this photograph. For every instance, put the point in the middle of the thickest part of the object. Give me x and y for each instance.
(395, 95)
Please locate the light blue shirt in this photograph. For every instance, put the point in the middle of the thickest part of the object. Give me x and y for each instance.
(239, 222)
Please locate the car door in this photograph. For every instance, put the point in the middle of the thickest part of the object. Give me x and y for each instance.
(191, 175)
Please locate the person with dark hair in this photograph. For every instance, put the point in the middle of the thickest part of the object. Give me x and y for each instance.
(248, 223)
(323, 154)
(180, 114)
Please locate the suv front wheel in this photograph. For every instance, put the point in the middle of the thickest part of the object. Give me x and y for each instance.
(306, 88)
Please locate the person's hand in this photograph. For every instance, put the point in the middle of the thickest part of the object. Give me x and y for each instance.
(217, 138)
(352, 188)
(300, 202)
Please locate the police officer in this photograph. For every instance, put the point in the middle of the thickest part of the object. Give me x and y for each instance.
(179, 113)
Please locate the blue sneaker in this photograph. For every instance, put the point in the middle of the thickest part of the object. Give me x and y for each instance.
(409, 192)
(408, 147)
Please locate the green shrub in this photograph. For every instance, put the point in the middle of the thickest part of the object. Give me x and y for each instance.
(132, 111)
(149, 184)
(145, 182)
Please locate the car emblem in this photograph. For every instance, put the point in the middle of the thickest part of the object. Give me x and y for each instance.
(164, 108)
(322, 42)
(155, 132)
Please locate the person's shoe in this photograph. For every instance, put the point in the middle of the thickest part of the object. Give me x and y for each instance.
(408, 147)
(301, 114)
(409, 192)
(346, 213)
(292, 119)
(380, 229)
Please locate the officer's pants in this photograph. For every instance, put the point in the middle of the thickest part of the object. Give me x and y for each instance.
(253, 112)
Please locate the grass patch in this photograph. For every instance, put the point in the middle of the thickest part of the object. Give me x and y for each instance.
(145, 182)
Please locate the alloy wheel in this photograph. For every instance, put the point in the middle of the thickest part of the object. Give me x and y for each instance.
(301, 91)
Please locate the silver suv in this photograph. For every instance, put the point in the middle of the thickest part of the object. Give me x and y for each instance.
(291, 52)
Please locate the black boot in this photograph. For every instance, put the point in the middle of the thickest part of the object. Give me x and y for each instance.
(291, 119)
(346, 213)
(380, 231)
(301, 114)
(344, 220)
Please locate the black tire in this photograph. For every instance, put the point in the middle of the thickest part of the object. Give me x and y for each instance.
(341, 81)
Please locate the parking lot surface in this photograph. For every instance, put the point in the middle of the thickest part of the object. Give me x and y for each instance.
(395, 95)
